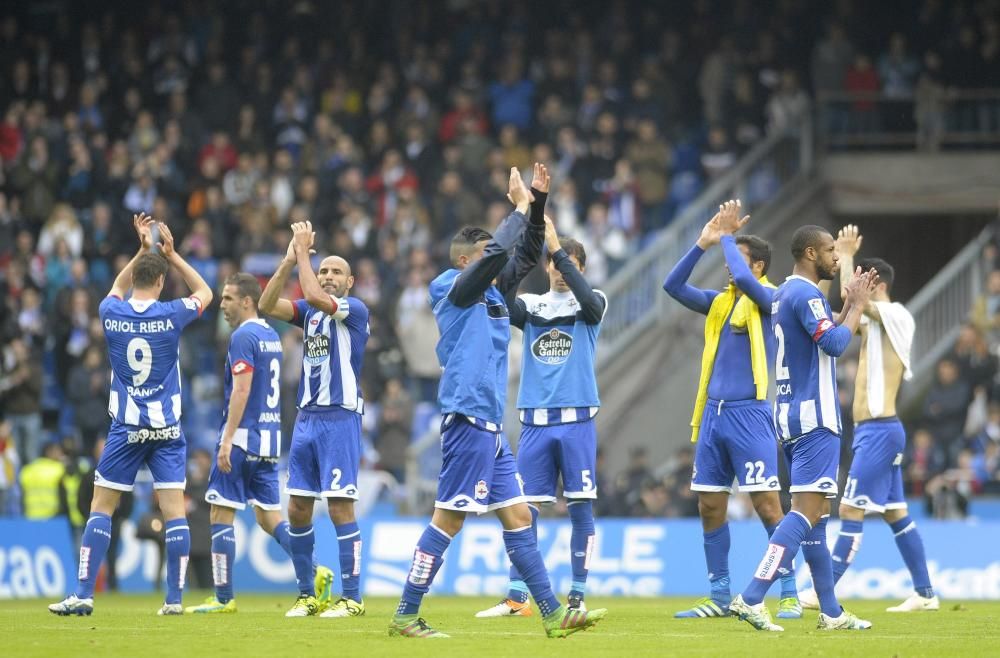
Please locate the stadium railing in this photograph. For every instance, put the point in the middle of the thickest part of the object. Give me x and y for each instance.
(636, 289)
(942, 305)
(942, 119)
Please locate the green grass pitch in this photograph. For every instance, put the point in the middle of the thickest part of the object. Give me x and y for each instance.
(126, 625)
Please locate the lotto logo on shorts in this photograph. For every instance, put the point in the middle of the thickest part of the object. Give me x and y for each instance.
(769, 565)
(84, 570)
(482, 491)
(423, 564)
(219, 568)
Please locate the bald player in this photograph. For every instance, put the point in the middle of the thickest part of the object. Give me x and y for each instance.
(326, 444)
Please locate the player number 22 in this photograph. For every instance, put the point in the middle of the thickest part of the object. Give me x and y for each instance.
(140, 359)
(753, 478)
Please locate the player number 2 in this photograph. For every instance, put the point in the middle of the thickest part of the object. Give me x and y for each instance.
(272, 397)
(780, 369)
(140, 359)
(757, 478)
(588, 484)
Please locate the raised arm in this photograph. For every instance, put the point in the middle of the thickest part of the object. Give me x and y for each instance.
(848, 244)
(676, 283)
(729, 223)
(123, 282)
(592, 303)
(271, 303)
(529, 250)
(302, 241)
(199, 289)
(476, 279)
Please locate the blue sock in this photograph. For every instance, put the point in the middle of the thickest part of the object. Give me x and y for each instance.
(93, 548)
(779, 557)
(522, 549)
(848, 543)
(301, 541)
(911, 547)
(581, 543)
(716, 544)
(517, 590)
(280, 535)
(177, 535)
(349, 541)
(789, 590)
(223, 556)
(817, 555)
(427, 560)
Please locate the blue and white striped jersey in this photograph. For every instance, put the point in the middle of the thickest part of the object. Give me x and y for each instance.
(255, 350)
(808, 342)
(143, 338)
(332, 356)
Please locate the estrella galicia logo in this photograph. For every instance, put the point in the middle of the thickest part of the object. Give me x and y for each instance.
(553, 347)
(317, 349)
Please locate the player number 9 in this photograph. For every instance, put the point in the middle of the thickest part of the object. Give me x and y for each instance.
(140, 359)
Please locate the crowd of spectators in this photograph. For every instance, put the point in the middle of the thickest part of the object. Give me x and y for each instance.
(389, 124)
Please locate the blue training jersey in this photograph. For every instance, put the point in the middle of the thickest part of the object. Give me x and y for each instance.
(255, 350)
(332, 356)
(472, 351)
(808, 343)
(143, 339)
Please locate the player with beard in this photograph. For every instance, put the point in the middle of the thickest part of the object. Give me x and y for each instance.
(807, 414)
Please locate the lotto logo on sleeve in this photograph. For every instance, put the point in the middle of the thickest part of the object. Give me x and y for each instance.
(769, 565)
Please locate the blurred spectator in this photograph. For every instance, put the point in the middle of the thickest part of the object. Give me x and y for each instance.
(418, 334)
(41, 480)
(788, 106)
(88, 389)
(923, 461)
(9, 466)
(861, 78)
(946, 405)
(20, 392)
(986, 311)
(394, 425)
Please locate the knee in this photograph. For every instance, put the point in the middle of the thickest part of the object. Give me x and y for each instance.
(449, 522)
(299, 511)
(713, 508)
(341, 511)
(768, 508)
(849, 513)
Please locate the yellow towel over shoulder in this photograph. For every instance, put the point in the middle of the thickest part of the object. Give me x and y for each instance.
(746, 316)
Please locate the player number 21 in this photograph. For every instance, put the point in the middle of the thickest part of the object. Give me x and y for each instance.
(140, 359)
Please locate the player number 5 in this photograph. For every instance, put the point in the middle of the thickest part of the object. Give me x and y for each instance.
(588, 484)
(140, 359)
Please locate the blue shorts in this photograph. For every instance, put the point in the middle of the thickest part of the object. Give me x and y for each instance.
(325, 454)
(478, 473)
(253, 479)
(128, 447)
(544, 452)
(875, 481)
(814, 462)
(736, 441)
